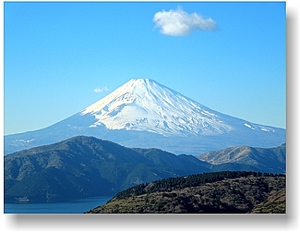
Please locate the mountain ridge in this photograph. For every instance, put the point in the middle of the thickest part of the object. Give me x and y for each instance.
(216, 192)
(274, 158)
(86, 166)
(144, 113)
(155, 108)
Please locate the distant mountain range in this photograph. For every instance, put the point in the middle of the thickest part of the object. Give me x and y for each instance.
(86, 166)
(269, 160)
(143, 113)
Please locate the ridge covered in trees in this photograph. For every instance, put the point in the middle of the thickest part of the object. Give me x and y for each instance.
(169, 184)
(219, 192)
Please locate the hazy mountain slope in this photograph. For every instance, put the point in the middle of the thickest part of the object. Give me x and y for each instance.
(221, 192)
(86, 166)
(143, 113)
(159, 157)
(267, 159)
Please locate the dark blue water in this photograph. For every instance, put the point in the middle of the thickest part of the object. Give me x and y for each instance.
(71, 207)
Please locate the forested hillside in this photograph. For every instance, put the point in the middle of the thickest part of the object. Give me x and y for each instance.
(219, 192)
(83, 166)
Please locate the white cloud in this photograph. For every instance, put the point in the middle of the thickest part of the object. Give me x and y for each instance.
(180, 23)
(100, 90)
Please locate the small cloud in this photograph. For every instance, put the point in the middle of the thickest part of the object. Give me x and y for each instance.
(100, 90)
(180, 23)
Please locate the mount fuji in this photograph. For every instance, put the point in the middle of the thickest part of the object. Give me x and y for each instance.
(143, 113)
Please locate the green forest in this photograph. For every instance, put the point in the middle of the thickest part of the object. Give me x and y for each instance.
(177, 183)
(219, 192)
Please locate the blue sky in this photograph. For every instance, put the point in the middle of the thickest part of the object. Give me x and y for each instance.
(60, 58)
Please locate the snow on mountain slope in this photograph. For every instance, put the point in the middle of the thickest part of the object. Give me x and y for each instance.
(144, 104)
(143, 113)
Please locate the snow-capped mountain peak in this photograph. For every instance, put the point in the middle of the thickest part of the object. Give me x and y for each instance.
(144, 113)
(145, 105)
